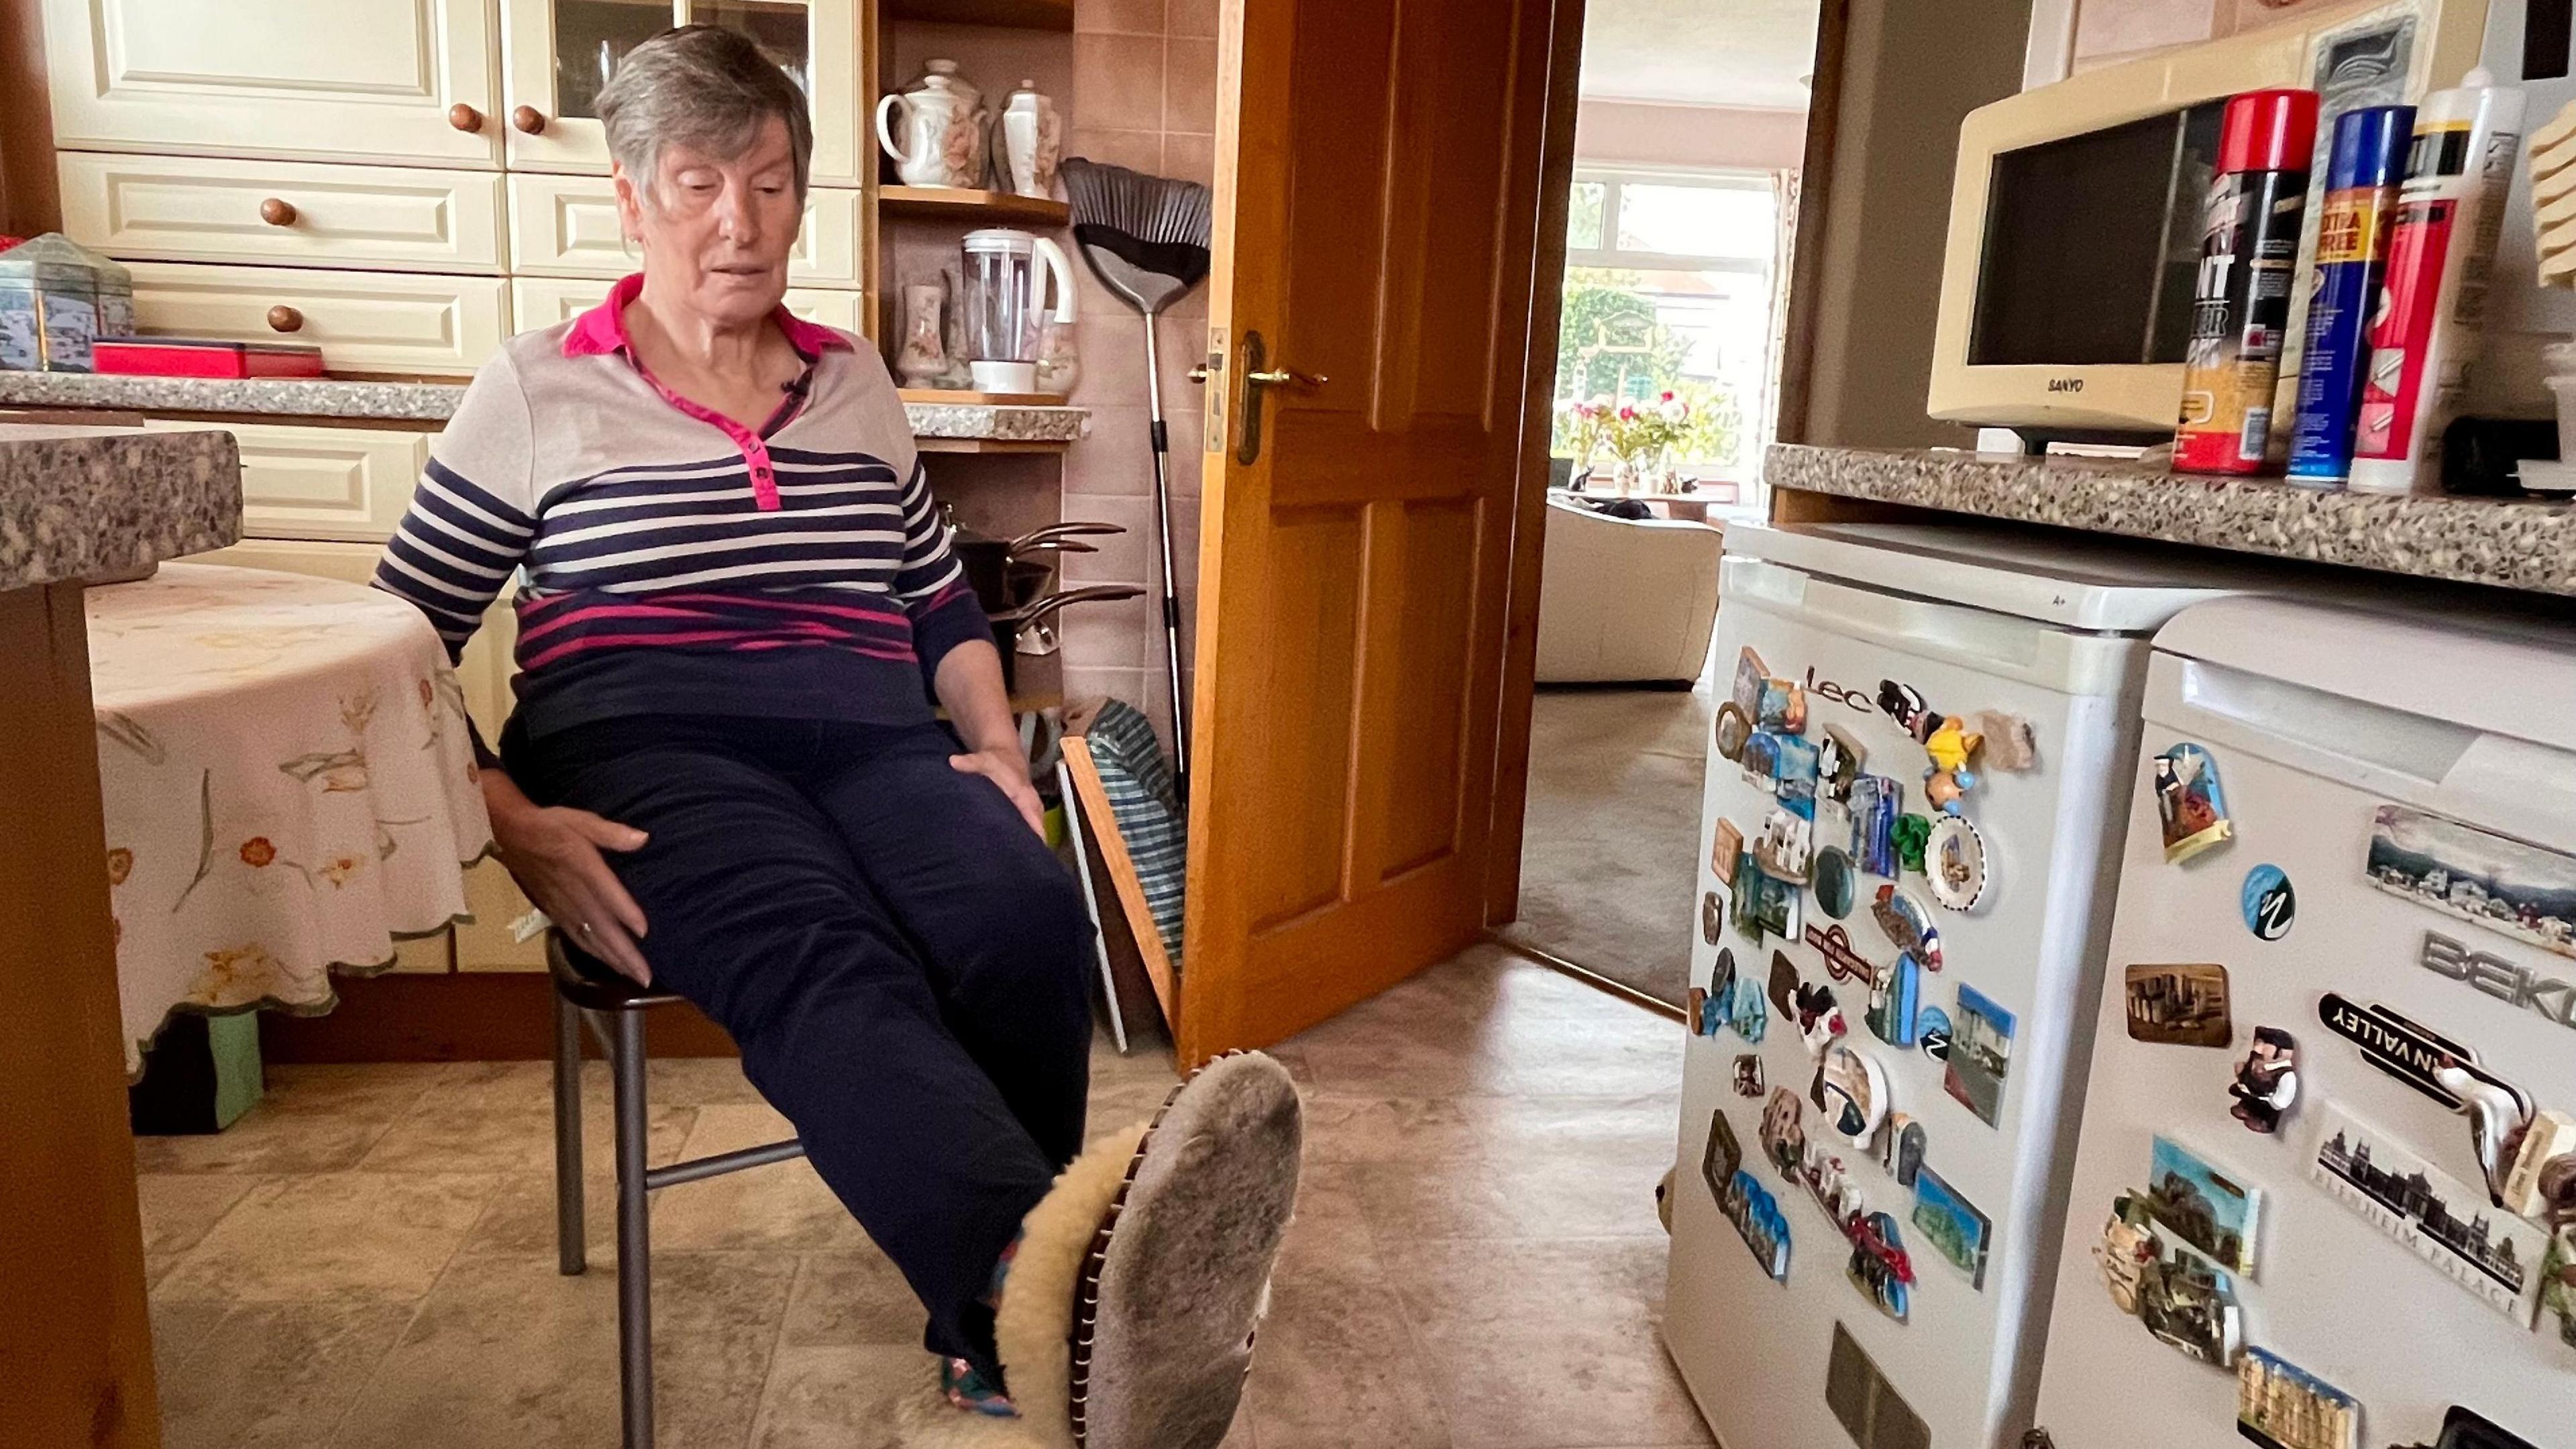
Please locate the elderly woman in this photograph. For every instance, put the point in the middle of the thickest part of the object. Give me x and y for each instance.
(724, 776)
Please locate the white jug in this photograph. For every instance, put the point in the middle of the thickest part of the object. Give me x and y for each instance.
(1028, 139)
(1007, 273)
(941, 132)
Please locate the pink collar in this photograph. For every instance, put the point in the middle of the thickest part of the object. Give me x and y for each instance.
(602, 329)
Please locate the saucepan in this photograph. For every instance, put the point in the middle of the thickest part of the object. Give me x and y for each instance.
(987, 559)
(1024, 629)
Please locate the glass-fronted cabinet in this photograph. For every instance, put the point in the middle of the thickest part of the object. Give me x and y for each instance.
(560, 52)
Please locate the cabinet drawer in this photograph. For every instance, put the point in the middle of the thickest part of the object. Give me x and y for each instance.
(379, 80)
(363, 321)
(188, 209)
(342, 484)
(537, 302)
(566, 226)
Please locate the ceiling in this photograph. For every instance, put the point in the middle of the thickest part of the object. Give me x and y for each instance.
(1700, 52)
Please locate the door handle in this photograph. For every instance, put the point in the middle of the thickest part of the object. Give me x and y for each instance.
(1256, 378)
(1287, 376)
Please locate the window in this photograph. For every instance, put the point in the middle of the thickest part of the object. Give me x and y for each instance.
(1669, 288)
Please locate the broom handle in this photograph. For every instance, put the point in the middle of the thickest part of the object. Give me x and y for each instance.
(1171, 591)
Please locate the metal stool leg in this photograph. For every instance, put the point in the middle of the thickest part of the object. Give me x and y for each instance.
(571, 1251)
(634, 1235)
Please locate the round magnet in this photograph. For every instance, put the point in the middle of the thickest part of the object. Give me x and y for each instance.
(2269, 904)
(1832, 874)
(1908, 925)
(1954, 864)
(1732, 728)
(1851, 1090)
(1712, 917)
(1932, 1033)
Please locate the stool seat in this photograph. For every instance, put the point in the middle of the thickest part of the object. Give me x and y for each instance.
(594, 985)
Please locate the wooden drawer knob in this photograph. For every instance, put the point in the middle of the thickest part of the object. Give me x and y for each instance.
(528, 119)
(464, 117)
(277, 211)
(282, 318)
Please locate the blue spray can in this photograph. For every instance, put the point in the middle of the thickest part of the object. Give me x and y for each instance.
(2360, 206)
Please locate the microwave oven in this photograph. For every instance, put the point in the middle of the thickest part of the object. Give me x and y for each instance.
(2074, 231)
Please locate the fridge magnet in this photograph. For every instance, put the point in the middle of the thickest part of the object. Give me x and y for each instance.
(2123, 1252)
(1902, 703)
(1838, 761)
(1932, 1033)
(1712, 1011)
(1721, 981)
(2190, 802)
(2439, 1218)
(1907, 925)
(2213, 1211)
(1952, 1225)
(1725, 843)
(1878, 1266)
(2267, 1081)
(1851, 1091)
(1764, 905)
(2518, 890)
(1712, 917)
(1758, 1221)
(1782, 707)
(1748, 1075)
(1841, 961)
(1876, 802)
(1723, 1157)
(2282, 1406)
(2558, 1287)
(1744, 889)
(1750, 675)
(1798, 777)
(1895, 992)
(1980, 1055)
(1784, 1141)
(1731, 731)
(1749, 1018)
(1865, 1403)
(1954, 753)
(1911, 1143)
(1784, 984)
(2465, 1429)
(2190, 1305)
(1912, 835)
(1695, 1010)
(1761, 761)
(1786, 847)
(2270, 906)
(2011, 745)
(1820, 1019)
(2498, 1111)
(1830, 1184)
(2543, 1177)
(2178, 1004)
(1955, 864)
(1831, 877)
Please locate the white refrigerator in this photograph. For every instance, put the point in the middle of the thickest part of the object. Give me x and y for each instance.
(1957, 1055)
(2331, 1005)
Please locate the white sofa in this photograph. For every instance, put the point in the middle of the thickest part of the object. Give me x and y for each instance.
(1625, 599)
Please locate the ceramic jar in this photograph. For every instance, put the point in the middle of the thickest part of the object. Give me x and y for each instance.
(935, 130)
(1028, 140)
(923, 357)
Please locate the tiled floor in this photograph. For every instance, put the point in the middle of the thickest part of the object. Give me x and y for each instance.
(366, 1260)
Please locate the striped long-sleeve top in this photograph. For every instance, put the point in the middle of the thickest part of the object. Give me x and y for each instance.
(674, 561)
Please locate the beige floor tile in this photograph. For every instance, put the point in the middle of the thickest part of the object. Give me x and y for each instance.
(1567, 1190)
(276, 1374)
(1547, 1345)
(851, 1300)
(839, 1398)
(1336, 1365)
(179, 1325)
(471, 1135)
(312, 1119)
(508, 1354)
(697, 1082)
(372, 1236)
(520, 1218)
(1430, 1130)
(179, 1207)
(780, 1206)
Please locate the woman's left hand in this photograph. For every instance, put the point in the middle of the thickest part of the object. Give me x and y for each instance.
(1009, 769)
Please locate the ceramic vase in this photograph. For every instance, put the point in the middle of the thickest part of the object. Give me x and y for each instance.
(924, 354)
(1028, 141)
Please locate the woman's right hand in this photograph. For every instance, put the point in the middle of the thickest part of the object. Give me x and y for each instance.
(553, 852)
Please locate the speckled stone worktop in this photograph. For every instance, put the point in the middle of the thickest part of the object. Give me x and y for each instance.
(88, 503)
(433, 402)
(2505, 543)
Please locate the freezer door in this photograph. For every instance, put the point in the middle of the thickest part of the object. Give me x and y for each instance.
(2309, 778)
(1757, 1354)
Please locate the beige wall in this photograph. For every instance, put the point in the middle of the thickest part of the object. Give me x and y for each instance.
(2116, 30)
(1643, 133)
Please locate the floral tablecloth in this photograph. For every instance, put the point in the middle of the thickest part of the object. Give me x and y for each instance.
(288, 782)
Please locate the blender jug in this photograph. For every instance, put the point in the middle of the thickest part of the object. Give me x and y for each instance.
(1003, 292)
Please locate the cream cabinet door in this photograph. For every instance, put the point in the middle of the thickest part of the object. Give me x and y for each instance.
(192, 209)
(544, 301)
(388, 322)
(377, 80)
(558, 53)
(342, 484)
(566, 226)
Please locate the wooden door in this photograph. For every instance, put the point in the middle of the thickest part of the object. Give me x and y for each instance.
(377, 80)
(1377, 226)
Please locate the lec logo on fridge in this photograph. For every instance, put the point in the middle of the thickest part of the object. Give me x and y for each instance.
(1840, 694)
(2497, 977)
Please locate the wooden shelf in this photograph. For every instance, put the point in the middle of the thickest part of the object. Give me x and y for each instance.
(1021, 14)
(954, 203)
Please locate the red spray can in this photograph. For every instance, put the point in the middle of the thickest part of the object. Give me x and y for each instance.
(2240, 301)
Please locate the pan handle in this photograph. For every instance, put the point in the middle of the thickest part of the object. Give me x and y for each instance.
(1063, 530)
(1036, 609)
(1052, 545)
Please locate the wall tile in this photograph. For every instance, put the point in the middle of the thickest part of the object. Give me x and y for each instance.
(1115, 634)
(1138, 149)
(1190, 155)
(1090, 681)
(1118, 17)
(1122, 557)
(1111, 342)
(1118, 81)
(1189, 85)
(1192, 17)
(1115, 459)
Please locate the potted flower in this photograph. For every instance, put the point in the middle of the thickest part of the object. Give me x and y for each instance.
(1641, 434)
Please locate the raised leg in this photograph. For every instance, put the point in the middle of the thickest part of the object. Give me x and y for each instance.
(634, 1236)
(571, 1254)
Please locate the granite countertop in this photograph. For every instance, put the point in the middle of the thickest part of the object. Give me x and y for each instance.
(86, 503)
(435, 402)
(2505, 543)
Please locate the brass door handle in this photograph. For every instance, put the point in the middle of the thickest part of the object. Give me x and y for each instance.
(1283, 377)
(1199, 374)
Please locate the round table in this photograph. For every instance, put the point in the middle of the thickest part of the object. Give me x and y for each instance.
(288, 784)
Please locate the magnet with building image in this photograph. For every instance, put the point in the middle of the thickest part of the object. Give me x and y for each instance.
(2515, 889)
(1953, 1227)
(1876, 803)
(1980, 1055)
(2282, 1406)
(1878, 1265)
(2177, 1003)
(1725, 846)
(1747, 1081)
(1907, 925)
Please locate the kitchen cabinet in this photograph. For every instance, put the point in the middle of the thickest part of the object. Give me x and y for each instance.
(566, 226)
(544, 301)
(388, 322)
(396, 81)
(325, 484)
(560, 52)
(199, 209)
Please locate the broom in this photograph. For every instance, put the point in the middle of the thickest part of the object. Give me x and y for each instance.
(1146, 238)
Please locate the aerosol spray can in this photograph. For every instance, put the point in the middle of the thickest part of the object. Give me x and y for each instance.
(2367, 161)
(2434, 301)
(2240, 299)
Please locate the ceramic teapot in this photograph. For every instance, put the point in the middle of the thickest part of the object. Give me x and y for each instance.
(935, 130)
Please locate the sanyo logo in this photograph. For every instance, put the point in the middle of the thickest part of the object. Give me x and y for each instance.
(2066, 384)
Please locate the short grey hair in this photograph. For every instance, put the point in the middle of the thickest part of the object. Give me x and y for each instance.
(705, 87)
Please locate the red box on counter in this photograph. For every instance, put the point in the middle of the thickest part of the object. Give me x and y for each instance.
(204, 357)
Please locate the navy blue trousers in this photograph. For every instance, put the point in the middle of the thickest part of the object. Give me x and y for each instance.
(902, 962)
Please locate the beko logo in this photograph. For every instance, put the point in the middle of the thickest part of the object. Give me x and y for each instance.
(2066, 384)
(2500, 978)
